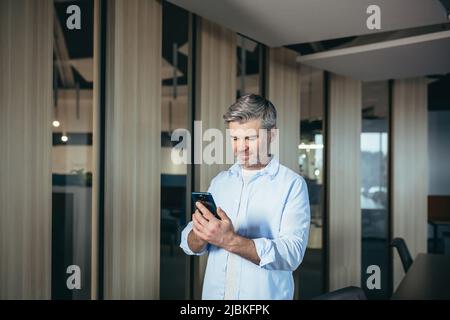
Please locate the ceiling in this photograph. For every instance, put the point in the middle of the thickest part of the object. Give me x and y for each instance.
(287, 22)
(305, 25)
(393, 59)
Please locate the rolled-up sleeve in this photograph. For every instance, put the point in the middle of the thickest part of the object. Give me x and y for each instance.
(287, 250)
(184, 242)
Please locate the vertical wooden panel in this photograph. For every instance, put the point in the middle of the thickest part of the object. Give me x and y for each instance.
(133, 134)
(216, 83)
(26, 47)
(216, 91)
(95, 153)
(284, 92)
(409, 167)
(344, 182)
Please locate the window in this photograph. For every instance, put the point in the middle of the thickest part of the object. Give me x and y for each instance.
(174, 265)
(310, 276)
(438, 160)
(72, 153)
(375, 184)
(249, 67)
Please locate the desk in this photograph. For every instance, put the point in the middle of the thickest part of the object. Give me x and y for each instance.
(428, 278)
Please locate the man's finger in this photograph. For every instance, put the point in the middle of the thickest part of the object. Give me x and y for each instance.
(200, 206)
(206, 213)
(199, 233)
(222, 214)
(199, 219)
(197, 223)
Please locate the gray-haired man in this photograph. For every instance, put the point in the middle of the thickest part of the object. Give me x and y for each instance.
(264, 208)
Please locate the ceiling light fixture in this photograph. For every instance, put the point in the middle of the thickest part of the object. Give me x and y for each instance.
(304, 146)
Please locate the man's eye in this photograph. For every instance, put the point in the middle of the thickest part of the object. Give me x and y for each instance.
(234, 139)
(251, 138)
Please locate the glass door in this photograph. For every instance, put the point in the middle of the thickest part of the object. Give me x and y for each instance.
(375, 188)
(310, 276)
(73, 149)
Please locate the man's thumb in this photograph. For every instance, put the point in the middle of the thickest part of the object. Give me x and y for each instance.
(222, 213)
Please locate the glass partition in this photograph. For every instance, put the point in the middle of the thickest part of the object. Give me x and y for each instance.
(249, 66)
(310, 276)
(72, 152)
(174, 265)
(374, 186)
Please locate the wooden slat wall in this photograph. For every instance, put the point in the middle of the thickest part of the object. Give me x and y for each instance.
(216, 91)
(283, 82)
(409, 167)
(95, 154)
(26, 48)
(216, 87)
(133, 139)
(344, 239)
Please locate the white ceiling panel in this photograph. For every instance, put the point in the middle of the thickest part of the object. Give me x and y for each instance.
(285, 22)
(402, 58)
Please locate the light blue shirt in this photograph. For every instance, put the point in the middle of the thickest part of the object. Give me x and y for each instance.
(276, 216)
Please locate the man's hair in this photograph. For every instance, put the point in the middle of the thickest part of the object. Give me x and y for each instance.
(252, 107)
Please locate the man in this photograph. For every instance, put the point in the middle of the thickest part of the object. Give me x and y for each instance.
(263, 231)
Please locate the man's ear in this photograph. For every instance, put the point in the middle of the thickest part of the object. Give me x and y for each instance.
(273, 134)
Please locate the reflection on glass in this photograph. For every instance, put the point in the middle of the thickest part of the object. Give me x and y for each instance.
(248, 66)
(72, 153)
(174, 281)
(310, 276)
(374, 184)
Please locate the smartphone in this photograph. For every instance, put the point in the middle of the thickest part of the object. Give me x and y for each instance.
(207, 200)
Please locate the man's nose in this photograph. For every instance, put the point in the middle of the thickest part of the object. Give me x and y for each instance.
(242, 145)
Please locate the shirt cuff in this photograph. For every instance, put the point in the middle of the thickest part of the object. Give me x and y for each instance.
(265, 251)
(184, 242)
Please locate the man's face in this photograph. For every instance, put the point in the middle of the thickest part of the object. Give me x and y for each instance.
(247, 140)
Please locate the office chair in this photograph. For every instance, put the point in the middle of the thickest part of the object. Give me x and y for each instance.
(403, 252)
(347, 293)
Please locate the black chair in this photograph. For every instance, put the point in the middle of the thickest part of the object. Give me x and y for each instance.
(347, 293)
(403, 252)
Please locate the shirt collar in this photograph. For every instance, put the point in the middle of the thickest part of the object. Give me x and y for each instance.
(271, 168)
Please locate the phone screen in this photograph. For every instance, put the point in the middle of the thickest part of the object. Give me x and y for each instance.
(207, 200)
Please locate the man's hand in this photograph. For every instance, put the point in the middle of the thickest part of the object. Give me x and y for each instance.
(196, 244)
(221, 233)
(210, 229)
